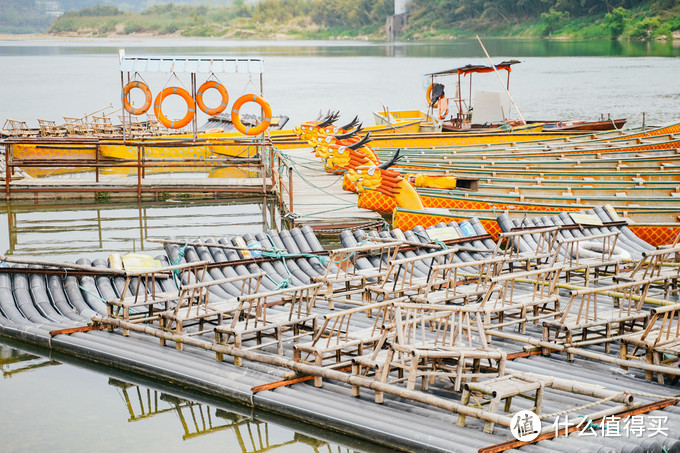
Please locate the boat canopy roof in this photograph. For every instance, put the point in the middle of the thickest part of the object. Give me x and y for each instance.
(471, 68)
(190, 64)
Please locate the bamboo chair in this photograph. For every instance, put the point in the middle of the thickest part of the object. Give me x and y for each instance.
(102, 125)
(270, 313)
(431, 342)
(576, 260)
(538, 245)
(76, 126)
(661, 266)
(492, 392)
(49, 128)
(658, 343)
(194, 306)
(594, 323)
(154, 127)
(144, 306)
(338, 338)
(520, 297)
(460, 282)
(403, 277)
(344, 278)
(16, 128)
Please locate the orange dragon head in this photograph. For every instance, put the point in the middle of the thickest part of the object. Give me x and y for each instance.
(348, 157)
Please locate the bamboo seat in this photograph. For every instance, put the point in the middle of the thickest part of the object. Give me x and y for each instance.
(521, 297)
(576, 260)
(661, 266)
(403, 276)
(349, 272)
(194, 307)
(49, 128)
(337, 339)
(142, 306)
(460, 282)
(431, 342)
(531, 246)
(261, 315)
(76, 126)
(658, 343)
(492, 392)
(596, 324)
(102, 125)
(16, 128)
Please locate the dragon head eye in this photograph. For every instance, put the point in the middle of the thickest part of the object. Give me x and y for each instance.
(341, 150)
(370, 171)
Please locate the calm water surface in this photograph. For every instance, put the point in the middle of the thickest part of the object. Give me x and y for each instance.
(49, 405)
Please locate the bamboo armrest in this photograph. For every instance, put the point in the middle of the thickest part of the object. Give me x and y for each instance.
(145, 299)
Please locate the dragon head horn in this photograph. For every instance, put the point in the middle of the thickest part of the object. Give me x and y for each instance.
(346, 135)
(351, 124)
(330, 119)
(362, 142)
(392, 161)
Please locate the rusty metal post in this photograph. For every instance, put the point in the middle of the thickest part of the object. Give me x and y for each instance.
(96, 157)
(290, 189)
(8, 175)
(139, 171)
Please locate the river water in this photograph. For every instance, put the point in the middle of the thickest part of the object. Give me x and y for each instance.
(63, 405)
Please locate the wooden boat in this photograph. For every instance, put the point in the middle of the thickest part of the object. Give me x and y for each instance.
(651, 226)
(597, 125)
(489, 111)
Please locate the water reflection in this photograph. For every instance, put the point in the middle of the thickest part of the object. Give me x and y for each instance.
(97, 229)
(14, 361)
(198, 419)
(163, 420)
(459, 47)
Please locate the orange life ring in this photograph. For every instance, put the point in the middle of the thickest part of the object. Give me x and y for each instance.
(236, 119)
(191, 107)
(219, 87)
(443, 107)
(427, 94)
(147, 95)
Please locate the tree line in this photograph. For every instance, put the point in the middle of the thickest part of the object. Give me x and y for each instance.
(347, 18)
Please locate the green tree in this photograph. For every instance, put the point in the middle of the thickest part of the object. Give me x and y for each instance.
(616, 21)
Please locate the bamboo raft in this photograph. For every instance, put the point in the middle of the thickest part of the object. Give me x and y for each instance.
(444, 330)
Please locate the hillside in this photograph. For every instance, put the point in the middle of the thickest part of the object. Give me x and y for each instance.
(354, 19)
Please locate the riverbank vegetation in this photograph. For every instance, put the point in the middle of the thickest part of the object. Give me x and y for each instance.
(429, 19)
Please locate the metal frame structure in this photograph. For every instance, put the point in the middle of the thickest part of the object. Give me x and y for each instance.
(129, 66)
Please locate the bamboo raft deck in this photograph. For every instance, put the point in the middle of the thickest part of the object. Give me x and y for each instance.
(240, 341)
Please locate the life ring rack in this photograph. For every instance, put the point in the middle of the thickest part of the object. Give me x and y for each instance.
(147, 96)
(207, 86)
(236, 119)
(191, 107)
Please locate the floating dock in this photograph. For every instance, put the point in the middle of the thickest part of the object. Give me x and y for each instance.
(203, 330)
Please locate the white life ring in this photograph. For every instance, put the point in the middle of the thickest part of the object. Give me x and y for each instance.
(594, 249)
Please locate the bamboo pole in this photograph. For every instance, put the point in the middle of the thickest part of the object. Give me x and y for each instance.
(216, 245)
(313, 370)
(501, 81)
(587, 354)
(94, 270)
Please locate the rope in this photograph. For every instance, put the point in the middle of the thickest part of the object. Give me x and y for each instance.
(580, 408)
(180, 255)
(92, 294)
(292, 164)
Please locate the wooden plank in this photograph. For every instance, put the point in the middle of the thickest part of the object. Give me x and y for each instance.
(318, 198)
